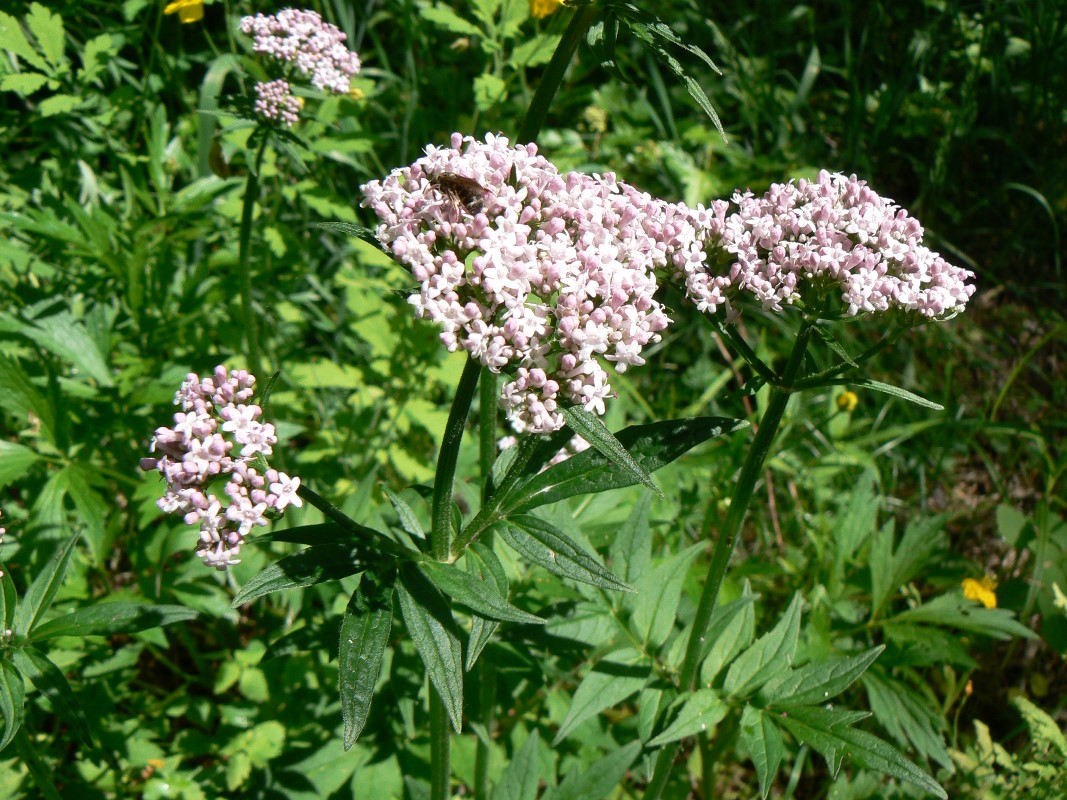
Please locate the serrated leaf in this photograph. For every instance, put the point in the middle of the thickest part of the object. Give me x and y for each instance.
(108, 619)
(58, 104)
(699, 712)
(606, 685)
(26, 404)
(631, 547)
(477, 594)
(14, 39)
(444, 17)
(51, 682)
(15, 461)
(1044, 730)
(658, 594)
(892, 567)
(547, 546)
(763, 741)
(23, 83)
(826, 734)
(489, 90)
(364, 637)
(484, 564)
(591, 428)
(316, 564)
(651, 446)
(12, 701)
(730, 631)
(95, 56)
(521, 777)
(952, 610)
(771, 654)
(599, 779)
(48, 29)
(817, 683)
(536, 51)
(908, 717)
(433, 631)
(43, 590)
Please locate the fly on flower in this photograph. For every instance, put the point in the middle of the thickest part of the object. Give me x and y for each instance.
(461, 192)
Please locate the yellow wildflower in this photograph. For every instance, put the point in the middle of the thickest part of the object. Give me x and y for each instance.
(542, 8)
(187, 10)
(847, 401)
(982, 591)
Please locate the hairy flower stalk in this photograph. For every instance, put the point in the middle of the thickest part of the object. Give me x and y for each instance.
(218, 435)
(537, 275)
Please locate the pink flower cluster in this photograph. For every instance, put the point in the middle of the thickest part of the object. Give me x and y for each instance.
(301, 38)
(538, 275)
(275, 101)
(215, 420)
(809, 238)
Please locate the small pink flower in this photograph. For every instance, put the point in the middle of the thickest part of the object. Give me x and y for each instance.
(285, 490)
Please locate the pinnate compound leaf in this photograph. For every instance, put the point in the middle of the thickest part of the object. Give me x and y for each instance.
(483, 563)
(47, 27)
(769, 656)
(817, 683)
(591, 428)
(14, 39)
(606, 685)
(51, 682)
(547, 546)
(107, 619)
(908, 717)
(599, 779)
(316, 564)
(477, 594)
(1044, 730)
(433, 631)
(763, 741)
(698, 712)
(652, 446)
(43, 590)
(364, 636)
(12, 700)
(829, 734)
(522, 776)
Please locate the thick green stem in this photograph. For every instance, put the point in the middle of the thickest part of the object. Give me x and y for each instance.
(487, 400)
(248, 317)
(441, 535)
(440, 749)
(728, 532)
(553, 75)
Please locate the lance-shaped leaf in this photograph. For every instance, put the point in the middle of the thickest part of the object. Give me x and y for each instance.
(699, 712)
(107, 619)
(591, 428)
(477, 594)
(606, 685)
(364, 636)
(651, 446)
(51, 682)
(313, 535)
(817, 683)
(314, 565)
(12, 699)
(521, 778)
(547, 546)
(483, 563)
(895, 391)
(432, 629)
(599, 779)
(768, 657)
(43, 590)
(763, 741)
(409, 520)
(8, 599)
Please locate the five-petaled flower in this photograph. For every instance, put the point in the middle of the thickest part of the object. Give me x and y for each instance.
(981, 590)
(187, 10)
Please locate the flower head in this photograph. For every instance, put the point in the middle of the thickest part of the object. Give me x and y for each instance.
(810, 239)
(187, 10)
(217, 419)
(302, 39)
(982, 590)
(275, 101)
(538, 275)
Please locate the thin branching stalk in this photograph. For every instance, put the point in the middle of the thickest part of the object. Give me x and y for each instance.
(248, 317)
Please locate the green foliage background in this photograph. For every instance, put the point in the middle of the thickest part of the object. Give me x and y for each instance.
(120, 199)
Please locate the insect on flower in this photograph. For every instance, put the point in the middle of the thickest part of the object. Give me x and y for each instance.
(461, 192)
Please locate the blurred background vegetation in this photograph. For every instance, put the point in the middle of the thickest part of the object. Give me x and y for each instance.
(120, 198)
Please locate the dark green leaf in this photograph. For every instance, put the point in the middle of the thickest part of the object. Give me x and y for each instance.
(408, 520)
(483, 563)
(51, 682)
(770, 655)
(477, 594)
(896, 391)
(952, 610)
(8, 598)
(15, 461)
(318, 534)
(364, 636)
(606, 685)
(323, 562)
(106, 619)
(591, 428)
(432, 629)
(658, 593)
(817, 683)
(522, 776)
(908, 717)
(631, 548)
(698, 712)
(763, 741)
(599, 779)
(548, 547)
(730, 631)
(652, 446)
(43, 590)
(12, 699)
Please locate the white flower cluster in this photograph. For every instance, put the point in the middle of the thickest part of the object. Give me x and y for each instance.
(301, 38)
(833, 232)
(216, 419)
(535, 274)
(275, 101)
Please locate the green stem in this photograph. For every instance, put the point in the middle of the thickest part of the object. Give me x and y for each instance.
(487, 399)
(724, 545)
(248, 317)
(440, 749)
(553, 75)
(441, 535)
(334, 514)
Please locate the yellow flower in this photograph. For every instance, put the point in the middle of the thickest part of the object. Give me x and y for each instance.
(188, 10)
(542, 8)
(847, 401)
(981, 590)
